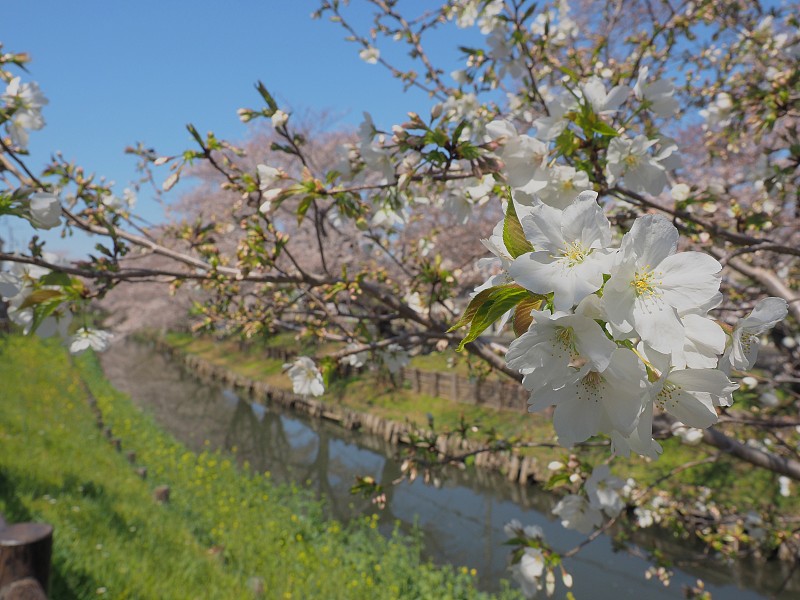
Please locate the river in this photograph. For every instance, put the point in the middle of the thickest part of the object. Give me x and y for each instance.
(461, 517)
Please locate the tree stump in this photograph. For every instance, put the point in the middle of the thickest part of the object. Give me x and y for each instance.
(23, 589)
(25, 551)
(161, 494)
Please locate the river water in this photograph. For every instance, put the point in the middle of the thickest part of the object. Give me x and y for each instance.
(461, 518)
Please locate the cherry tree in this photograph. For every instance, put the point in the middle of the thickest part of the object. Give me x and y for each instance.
(613, 184)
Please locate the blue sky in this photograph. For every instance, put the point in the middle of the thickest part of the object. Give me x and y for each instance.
(121, 72)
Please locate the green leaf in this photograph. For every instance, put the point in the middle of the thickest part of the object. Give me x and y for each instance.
(522, 313)
(40, 297)
(472, 308)
(55, 278)
(457, 131)
(557, 480)
(273, 106)
(566, 143)
(302, 209)
(436, 156)
(437, 137)
(502, 299)
(43, 310)
(604, 128)
(468, 151)
(513, 236)
(327, 367)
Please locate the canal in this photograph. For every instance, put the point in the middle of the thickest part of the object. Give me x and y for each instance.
(460, 514)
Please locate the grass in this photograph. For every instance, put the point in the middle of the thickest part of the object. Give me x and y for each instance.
(738, 487)
(223, 529)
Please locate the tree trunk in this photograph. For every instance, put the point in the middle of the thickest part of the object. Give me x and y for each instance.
(25, 551)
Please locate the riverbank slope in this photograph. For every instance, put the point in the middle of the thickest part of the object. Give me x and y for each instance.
(222, 533)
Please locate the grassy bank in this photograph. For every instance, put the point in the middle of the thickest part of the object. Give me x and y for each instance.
(223, 532)
(737, 486)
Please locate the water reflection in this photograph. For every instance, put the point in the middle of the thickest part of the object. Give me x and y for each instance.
(461, 520)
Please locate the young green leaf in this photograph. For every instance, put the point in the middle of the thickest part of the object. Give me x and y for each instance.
(501, 300)
(522, 313)
(513, 236)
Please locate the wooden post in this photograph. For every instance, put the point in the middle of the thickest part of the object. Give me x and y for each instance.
(25, 551)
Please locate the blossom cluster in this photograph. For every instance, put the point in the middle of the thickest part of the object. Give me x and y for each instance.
(620, 332)
(36, 302)
(23, 102)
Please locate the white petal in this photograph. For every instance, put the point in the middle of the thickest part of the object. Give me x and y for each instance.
(657, 323)
(652, 238)
(689, 279)
(584, 221)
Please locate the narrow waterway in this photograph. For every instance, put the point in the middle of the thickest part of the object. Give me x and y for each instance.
(461, 516)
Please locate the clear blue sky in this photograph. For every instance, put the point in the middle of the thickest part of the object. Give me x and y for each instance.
(119, 72)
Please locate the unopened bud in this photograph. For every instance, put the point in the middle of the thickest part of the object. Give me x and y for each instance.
(170, 182)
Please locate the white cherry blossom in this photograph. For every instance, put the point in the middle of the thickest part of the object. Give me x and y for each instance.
(602, 102)
(356, 359)
(554, 342)
(26, 100)
(631, 159)
(306, 378)
(640, 440)
(10, 284)
(550, 126)
(691, 436)
(86, 338)
(743, 349)
(650, 283)
(45, 210)
(279, 118)
(658, 94)
(690, 395)
(522, 157)
(589, 400)
(561, 183)
(602, 489)
(576, 513)
(395, 357)
(570, 253)
(370, 55)
(528, 571)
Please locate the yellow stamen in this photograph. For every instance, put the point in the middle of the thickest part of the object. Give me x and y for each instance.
(575, 253)
(644, 282)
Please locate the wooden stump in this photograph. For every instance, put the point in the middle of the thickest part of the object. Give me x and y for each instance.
(24, 589)
(25, 551)
(161, 494)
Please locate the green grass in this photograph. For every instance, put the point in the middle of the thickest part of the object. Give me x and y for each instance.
(222, 527)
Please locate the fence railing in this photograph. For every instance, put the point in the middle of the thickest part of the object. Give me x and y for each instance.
(497, 394)
(451, 386)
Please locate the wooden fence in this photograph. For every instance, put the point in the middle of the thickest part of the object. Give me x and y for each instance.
(507, 395)
(497, 394)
